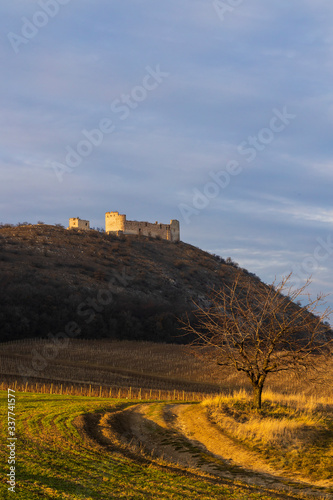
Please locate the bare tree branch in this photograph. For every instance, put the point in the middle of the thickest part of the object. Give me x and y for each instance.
(258, 329)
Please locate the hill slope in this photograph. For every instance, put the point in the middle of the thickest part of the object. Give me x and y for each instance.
(112, 287)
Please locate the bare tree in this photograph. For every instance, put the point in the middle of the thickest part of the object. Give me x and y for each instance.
(258, 329)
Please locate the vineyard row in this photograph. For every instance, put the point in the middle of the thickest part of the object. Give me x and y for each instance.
(90, 390)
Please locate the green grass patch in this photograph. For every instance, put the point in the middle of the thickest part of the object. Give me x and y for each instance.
(55, 461)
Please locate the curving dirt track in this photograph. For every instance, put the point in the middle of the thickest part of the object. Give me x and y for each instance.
(181, 436)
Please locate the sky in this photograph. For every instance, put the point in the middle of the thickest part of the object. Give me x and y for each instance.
(216, 113)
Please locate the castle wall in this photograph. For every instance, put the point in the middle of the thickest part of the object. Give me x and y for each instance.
(77, 223)
(117, 224)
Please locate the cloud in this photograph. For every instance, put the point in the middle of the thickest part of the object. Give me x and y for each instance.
(226, 77)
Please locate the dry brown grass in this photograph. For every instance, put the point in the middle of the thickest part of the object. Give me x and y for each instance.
(292, 431)
(294, 423)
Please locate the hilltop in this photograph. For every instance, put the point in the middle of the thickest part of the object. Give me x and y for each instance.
(112, 286)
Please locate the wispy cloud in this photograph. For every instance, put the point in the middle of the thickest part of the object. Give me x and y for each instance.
(225, 80)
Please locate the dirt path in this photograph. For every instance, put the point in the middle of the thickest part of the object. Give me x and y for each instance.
(195, 425)
(181, 434)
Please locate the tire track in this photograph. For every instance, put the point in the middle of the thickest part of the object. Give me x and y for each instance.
(181, 435)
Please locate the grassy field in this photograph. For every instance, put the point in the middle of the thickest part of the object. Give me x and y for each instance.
(56, 460)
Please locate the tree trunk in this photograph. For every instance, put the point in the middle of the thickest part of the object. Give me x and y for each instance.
(257, 392)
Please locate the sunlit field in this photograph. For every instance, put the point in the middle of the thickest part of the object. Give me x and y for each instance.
(56, 459)
(142, 364)
(59, 457)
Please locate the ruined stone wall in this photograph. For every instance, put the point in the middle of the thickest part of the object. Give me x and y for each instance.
(148, 229)
(77, 223)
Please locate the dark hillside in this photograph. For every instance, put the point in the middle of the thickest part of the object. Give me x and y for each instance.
(112, 287)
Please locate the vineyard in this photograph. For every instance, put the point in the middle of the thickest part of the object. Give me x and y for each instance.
(88, 365)
(103, 392)
(145, 365)
(94, 367)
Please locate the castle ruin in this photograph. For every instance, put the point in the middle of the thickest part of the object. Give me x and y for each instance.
(116, 223)
(77, 223)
